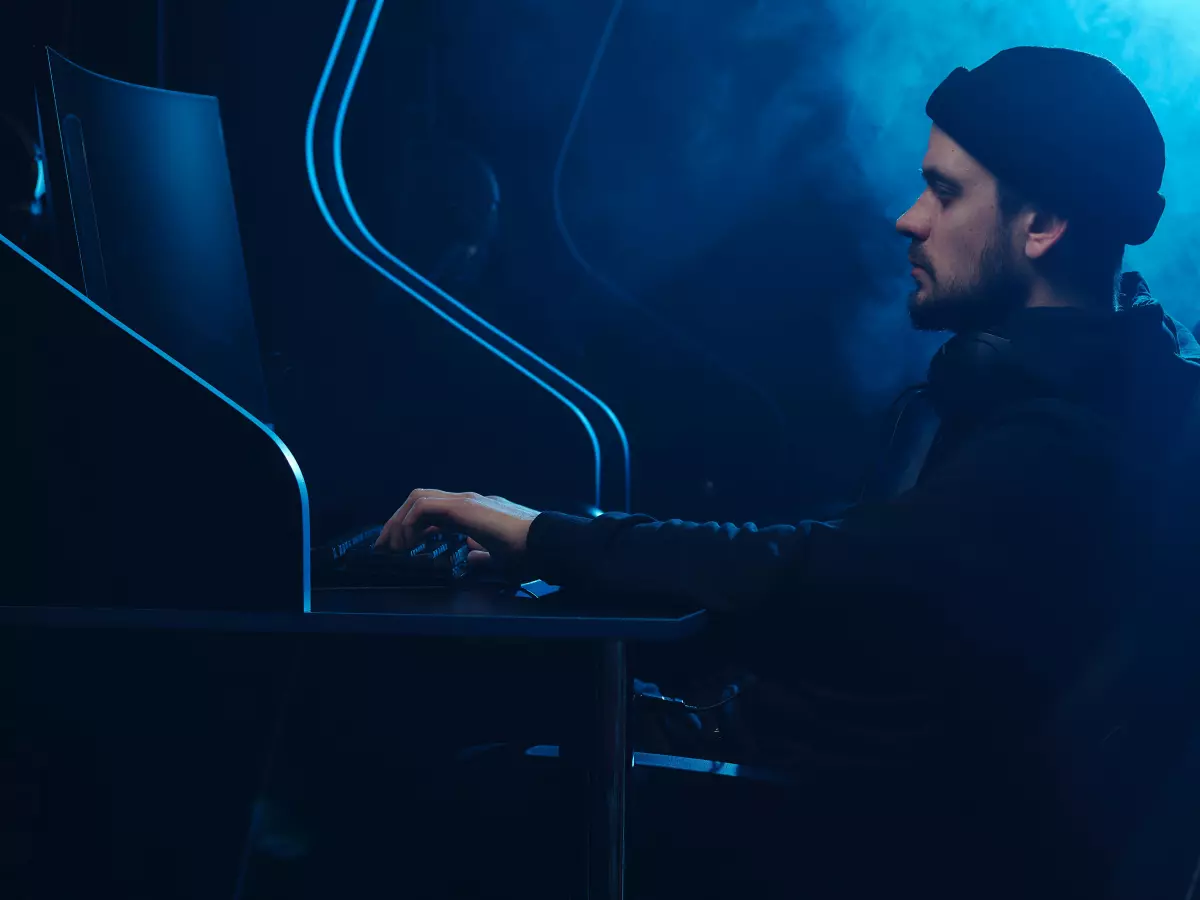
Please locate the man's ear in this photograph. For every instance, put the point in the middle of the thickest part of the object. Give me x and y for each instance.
(1045, 230)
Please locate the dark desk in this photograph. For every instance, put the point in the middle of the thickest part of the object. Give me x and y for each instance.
(602, 750)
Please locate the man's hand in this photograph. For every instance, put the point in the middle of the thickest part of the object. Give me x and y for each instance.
(493, 525)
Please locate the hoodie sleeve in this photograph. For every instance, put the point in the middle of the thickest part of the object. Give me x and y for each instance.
(993, 513)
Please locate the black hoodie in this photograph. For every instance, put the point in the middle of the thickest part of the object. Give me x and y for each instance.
(996, 578)
(1025, 487)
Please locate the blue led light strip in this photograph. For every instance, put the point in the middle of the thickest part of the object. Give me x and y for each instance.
(365, 232)
(283, 448)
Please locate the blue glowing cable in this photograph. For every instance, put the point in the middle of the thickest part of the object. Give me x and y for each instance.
(604, 281)
(310, 130)
(340, 173)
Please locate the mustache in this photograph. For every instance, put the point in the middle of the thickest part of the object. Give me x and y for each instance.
(919, 261)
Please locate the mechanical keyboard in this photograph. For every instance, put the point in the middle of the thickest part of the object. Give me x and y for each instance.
(352, 561)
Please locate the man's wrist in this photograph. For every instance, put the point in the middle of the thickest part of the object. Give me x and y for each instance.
(552, 546)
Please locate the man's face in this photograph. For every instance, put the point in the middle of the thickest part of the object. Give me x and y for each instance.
(965, 262)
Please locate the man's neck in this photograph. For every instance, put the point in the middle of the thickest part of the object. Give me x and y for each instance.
(1042, 295)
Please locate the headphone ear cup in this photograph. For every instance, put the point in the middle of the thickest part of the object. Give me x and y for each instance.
(965, 369)
(969, 352)
(976, 349)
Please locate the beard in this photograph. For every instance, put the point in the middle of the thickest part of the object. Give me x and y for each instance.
(982, 302)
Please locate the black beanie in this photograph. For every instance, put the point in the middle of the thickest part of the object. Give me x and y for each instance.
(1064, 128)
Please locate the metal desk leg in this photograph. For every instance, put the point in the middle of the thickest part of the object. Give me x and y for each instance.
(608, 767)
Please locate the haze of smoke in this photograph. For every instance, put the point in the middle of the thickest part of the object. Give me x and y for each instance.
(700, 117)
(897, 53)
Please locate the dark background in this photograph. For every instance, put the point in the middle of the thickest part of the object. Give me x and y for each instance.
(738, 294)
(731, 188)
(735, 389)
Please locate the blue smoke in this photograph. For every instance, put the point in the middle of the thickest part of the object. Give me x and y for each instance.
(702, 118)
(896, 53)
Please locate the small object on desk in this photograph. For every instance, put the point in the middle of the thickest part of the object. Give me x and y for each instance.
(537, 589)
(440, 560)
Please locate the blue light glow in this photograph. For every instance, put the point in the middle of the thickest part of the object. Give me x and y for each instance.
(39, 189)
(892, 59)
(677, 763)
(283, 448)
(360, 225)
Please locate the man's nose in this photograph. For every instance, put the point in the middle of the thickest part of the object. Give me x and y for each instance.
(911, 226)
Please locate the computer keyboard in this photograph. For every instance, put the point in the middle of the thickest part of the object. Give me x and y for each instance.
(352, 561)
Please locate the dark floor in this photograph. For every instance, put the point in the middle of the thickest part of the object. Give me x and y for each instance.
(136, 767)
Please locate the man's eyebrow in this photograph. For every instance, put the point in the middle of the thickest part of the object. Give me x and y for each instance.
(936, 177)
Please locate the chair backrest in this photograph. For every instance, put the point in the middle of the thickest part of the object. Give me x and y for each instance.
(1127, 736)
(1163, 858)
(140, 191)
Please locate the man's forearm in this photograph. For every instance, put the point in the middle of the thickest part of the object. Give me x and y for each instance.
(714, 565)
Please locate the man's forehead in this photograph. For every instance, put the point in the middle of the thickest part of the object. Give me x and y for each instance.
(946, 156)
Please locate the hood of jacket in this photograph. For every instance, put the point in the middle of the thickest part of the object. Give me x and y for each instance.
(1135, 364)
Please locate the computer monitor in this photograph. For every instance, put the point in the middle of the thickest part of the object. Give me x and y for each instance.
(140, 190)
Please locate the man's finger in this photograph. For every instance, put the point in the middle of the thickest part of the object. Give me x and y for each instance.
(389, 536)
(423, 512)
(385, 533)
(388, 532)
